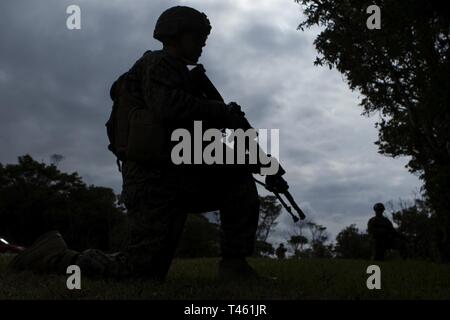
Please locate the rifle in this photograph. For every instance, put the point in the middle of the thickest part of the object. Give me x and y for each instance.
(274, 183)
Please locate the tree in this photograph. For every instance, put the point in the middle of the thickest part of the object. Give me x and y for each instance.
(298, 239)
(296, 243)
(35, 198)
(269, 211)
(319, 236)
(316, 242)
(318, 232)
(263, 249)
(415, 224)
(403, 73)
(352, 244)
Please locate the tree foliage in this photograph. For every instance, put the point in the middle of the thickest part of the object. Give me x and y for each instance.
(36, 197)
(297, 242)
(416, 224)
(269, 212)
(309, 240)
(403, 73)
(352, 244)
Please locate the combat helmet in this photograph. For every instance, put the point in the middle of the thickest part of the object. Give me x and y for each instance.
(179, 19)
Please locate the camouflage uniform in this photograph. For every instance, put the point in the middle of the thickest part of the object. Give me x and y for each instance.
(159, 198)
(158, 195)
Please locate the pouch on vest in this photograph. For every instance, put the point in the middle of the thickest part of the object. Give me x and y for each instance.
(146, 138)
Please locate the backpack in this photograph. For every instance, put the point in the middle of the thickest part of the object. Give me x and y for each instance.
(117, 143)
(132, 131)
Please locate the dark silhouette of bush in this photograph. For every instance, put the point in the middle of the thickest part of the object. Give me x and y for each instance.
(417, 225)
(36, 197)
(352, 244)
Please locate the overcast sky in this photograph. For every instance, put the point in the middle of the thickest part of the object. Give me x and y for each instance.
(54, 96)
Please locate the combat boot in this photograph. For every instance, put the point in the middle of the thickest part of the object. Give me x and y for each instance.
(48, 254)
(96, 263)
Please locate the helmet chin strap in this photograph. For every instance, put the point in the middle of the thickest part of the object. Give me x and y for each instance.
(189, 62)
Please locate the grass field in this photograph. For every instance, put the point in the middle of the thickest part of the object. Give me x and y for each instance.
(297, 279)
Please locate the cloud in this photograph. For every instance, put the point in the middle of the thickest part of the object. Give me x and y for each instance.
(54, 96)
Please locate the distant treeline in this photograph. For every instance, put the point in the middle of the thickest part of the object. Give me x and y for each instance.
(36, 197)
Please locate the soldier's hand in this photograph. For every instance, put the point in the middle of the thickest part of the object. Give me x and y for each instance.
(276, 183)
